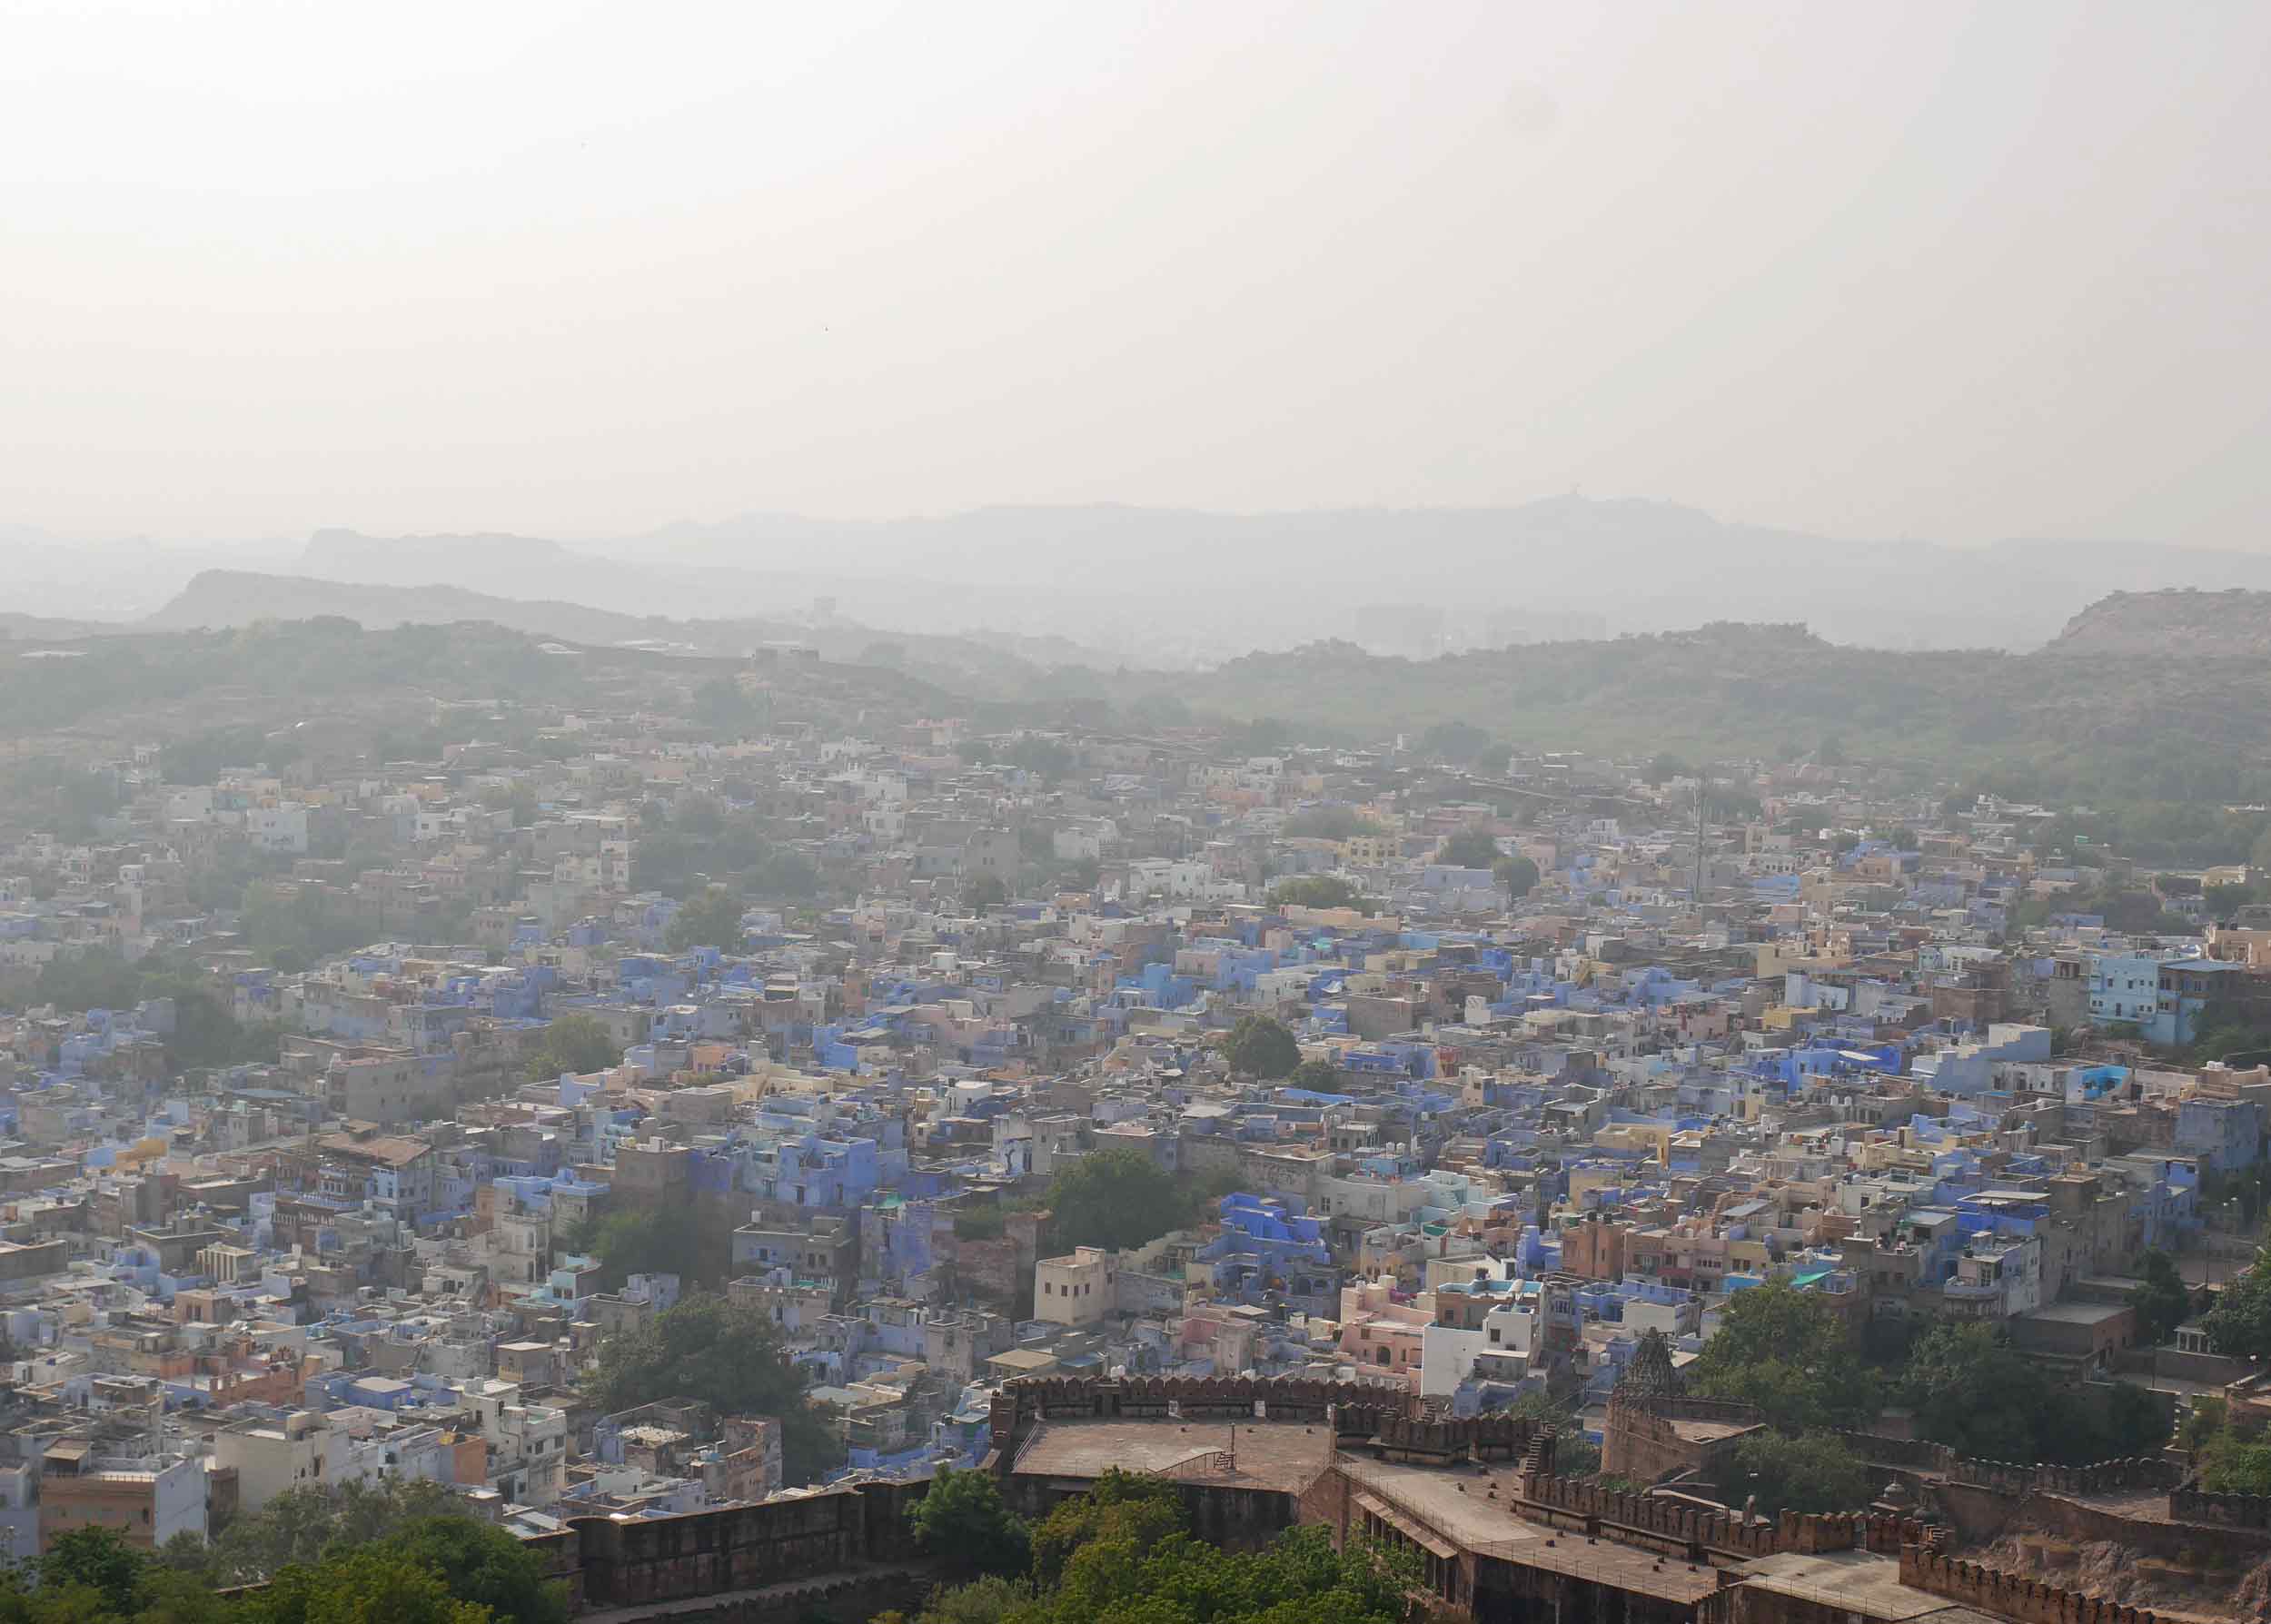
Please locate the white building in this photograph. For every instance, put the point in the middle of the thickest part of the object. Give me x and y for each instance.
(299, 1451)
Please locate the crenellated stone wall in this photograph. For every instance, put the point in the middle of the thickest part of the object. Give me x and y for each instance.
(2100, 1477)
(2192, 1503)
(1685, 1528)
(1374, 1416)
(2010, 1595)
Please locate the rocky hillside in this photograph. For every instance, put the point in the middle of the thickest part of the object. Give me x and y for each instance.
(2186, 624)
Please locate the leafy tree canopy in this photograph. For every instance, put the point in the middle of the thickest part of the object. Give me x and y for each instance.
(1320, 1076)
(1260, 1047)
(710, 918)
(2163, 1302)
(354, 1558)
(1126, 1506)
(732, 1358)
(1469, 848)
(573, 1042)
(2241, 1322)
(1815, 1472)
(1975, 1392)
(1518, 875)
(662, 1240)
(1788, 1352)
(1321, 891)
(1118, 1199)
(963, 1523)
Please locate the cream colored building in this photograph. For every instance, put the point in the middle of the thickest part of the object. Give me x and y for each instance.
(1078, 1290)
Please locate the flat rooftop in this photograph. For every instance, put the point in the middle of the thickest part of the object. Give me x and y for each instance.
(1458, 1504)
(1860, 1582)
(1709, 1432)
(1283, 1455)
(2077, 1314)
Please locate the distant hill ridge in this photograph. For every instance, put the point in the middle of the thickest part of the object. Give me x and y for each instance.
(2133, 701)
(232, 597)
(2192, 625)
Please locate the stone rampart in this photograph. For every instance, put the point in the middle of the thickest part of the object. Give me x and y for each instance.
(1363, 1415)
(814, 1538)
(2010, 1595)
(2192, 1503)
(1685, 1528)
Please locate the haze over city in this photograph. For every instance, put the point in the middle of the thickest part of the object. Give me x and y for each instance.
(1112, 814)
(1950, 273)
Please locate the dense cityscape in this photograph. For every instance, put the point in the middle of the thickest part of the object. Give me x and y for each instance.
(1297, 813)
(657, 1111)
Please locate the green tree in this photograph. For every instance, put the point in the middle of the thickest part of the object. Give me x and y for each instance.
(962, 1523)
(307, 1525)
(1132, 1508)
(786, 875)
(1298, 1578)
(292, 928)
(1118, 1199)
(573, 1042)
(1975, 1392)
(1788, 1352)
(662, 1240)
(372, 1586)
(1320, 891)
(2162, 1301)
(2237, 1465)
(96, 1560)
(2239, 1324)
(1469, 848)
(989, 1601)
(98, 979)
(732, 1358)
(1320, 1076)
(721, 703)
(711, 918)
(1043, 756)
(1259, 1047)
(1517, 876)
(1816, 1472)
(169, 1595)
(985, 891)
(1456, 742)
(2203, 1419)
(2136, 1422)
(482, 1564)
(296, 1526)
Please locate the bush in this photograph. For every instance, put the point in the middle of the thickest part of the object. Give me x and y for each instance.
(1260, 1047)
(963, 1523)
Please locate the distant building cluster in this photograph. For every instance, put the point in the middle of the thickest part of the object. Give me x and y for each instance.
(1570, 1061)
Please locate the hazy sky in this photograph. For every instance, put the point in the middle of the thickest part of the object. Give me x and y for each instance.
(1939, 270)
